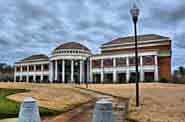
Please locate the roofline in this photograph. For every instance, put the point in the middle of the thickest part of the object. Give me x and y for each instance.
(37, 60)
(167, 38)
(86, 48)
(139, 46)
(139, 42)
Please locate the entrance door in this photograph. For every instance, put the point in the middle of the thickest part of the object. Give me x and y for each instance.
(149, 76)
(96, 78)
(108, 78)
(121, 77)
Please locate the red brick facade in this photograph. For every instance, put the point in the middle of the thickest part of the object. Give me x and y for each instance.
(165, 67)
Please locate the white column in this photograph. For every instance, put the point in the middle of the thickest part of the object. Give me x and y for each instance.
(72, 71)
(156, 74)
(81, 71)
(14, 73)
(34, 75)
(27, 78)
(127, 70)
(63, 71)
(21, 73)
(90, 72)
(42, 70)
(102, 71)
(114, 70)
(34, 78)
(56, 70)
(88, 65)
(51, 71)
(141, 69)
(127, 76)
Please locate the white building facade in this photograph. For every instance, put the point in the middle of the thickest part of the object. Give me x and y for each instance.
(74, 63)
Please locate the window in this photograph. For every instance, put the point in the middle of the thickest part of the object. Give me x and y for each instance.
(46, 67)
(18, 69)
(120, 62)
(24, 68)
(108, 62)
(38, 78)
(45, 78)
(38, 67)
(17, 78)
(148, 60)
(132, 61)
(149, 76)
(96, 63)
(31, 68)
(24, 78)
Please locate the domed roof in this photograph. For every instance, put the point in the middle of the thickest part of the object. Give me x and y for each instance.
(72, 45)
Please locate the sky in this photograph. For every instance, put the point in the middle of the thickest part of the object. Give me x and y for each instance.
(30, 27)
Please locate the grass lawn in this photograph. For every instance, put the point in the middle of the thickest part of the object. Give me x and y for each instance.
(56, 97)
(10, 108)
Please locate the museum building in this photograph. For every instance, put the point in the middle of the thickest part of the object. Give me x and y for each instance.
(73, 62)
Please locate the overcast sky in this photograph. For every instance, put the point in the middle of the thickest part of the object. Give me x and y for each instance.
(37, 26)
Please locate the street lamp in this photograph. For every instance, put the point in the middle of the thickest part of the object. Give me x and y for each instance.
(135, 13)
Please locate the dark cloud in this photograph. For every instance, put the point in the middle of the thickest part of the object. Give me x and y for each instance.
(37, 26)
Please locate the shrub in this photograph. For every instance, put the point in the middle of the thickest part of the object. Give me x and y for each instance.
(132, 79)
(163, 80)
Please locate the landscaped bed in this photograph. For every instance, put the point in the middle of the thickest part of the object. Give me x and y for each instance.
(10, 108)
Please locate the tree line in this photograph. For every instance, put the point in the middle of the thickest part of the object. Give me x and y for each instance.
(6, 72)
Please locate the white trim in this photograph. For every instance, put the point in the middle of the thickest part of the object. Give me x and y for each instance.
(32, 63)
(68, 50)
(69, 57)
(123, 55)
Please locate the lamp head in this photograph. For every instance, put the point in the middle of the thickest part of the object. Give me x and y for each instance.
(135, 13)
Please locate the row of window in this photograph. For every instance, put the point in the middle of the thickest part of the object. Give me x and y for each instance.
(69, 51)
(31, 68)
(121, 77)
(31, 78)
(121, 62)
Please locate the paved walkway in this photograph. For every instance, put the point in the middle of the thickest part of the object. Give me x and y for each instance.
(84, 113)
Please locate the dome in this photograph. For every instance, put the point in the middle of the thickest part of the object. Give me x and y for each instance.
(72, 45)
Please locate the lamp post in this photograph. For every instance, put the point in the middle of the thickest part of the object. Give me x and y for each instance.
(135, 13)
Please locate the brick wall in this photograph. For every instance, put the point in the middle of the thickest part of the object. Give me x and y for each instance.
(165, 67)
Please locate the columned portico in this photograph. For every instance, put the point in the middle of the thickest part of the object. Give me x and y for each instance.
(69, 61)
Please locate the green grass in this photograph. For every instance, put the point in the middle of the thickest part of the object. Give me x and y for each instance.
(10, 108)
